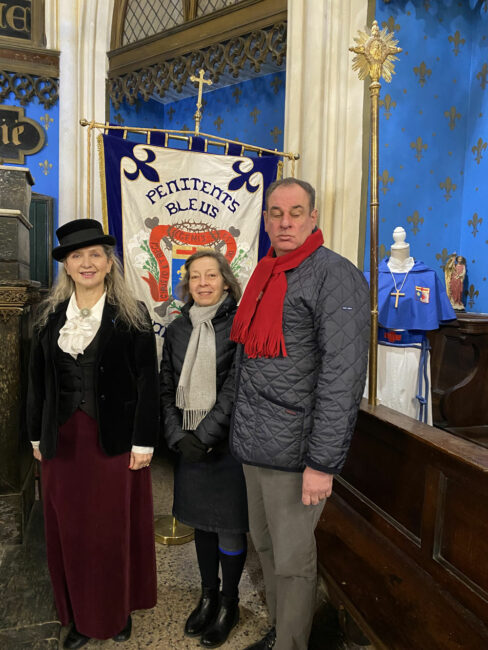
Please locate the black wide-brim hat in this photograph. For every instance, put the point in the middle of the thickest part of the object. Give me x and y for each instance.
(80, 233)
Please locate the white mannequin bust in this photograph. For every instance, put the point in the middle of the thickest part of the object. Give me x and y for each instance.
(400, 260)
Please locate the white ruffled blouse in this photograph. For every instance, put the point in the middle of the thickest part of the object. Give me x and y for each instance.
(76, 335)
(81, 326)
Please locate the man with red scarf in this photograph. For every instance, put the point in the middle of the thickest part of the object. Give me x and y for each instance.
(303, 329)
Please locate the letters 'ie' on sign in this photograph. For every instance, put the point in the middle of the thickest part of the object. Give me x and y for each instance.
(19, 135)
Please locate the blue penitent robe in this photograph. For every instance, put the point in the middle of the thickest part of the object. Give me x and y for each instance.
(425, 303)
(424, 306)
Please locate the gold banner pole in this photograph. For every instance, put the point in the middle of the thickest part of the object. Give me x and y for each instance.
(375, 53)
(88, 171)
(185, 136)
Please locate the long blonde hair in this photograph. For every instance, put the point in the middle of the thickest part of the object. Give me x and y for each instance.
(129, 310)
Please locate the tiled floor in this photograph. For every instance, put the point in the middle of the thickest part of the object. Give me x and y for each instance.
(179, 590)
(28, 619)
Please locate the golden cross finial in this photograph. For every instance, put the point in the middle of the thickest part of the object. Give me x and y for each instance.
(200, 80)
(375, 54)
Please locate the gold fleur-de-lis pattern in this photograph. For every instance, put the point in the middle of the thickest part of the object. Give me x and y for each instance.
(434, 136)
(422, 72)
(472, 293)
(250, 111)
(478, 150)
(457, 41)
(482, 75)
(448, 186)
(47, 120)
(254, 114)
(416, 220)
(45, 166)
(391, 25)
(385, 180)
(419, 146)
(276, 84)
(452, 115)
(275, 133)
(442, 257)
(388, 104)
(474, 222)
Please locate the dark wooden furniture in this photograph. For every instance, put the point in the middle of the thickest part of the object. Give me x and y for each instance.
(459, 368)
(403, 541)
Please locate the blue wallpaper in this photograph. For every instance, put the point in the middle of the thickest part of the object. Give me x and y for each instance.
(44, 165)
(433, 136)
(251, 111)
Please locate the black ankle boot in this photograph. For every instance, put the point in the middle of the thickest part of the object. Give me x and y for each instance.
(204, 613)
(227, 618)
(124, 634)
(74, 639)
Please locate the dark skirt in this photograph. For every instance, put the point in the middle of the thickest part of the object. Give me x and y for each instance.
(99, 532)
(211, 495)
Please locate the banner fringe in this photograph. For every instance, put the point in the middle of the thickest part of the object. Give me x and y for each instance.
(103, 186)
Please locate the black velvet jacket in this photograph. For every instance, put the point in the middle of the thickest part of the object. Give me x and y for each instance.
(126, 385)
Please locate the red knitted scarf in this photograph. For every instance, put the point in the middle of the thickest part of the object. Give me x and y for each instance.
(258, 323)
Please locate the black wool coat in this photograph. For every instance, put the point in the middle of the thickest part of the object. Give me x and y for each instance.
(213, 430)
(126, 385)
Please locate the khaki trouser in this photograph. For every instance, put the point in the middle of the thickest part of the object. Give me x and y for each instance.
(282, 530)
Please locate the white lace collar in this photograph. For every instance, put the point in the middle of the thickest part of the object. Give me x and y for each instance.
(81, 326)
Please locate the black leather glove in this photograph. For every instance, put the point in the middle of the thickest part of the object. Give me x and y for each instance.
(192, 449)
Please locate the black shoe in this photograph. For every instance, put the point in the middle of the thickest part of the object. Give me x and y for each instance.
(226, 619)
(124, 635)
(204, 613)
(266, 643)
(75, 639)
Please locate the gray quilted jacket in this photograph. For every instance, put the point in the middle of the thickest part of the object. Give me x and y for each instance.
(300, 410)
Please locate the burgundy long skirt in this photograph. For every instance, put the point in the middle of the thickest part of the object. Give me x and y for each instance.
(99, 532)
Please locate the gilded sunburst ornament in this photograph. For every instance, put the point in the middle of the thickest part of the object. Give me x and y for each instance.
(375, 53)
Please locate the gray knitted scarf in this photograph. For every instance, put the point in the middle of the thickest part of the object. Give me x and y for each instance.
(197, 391)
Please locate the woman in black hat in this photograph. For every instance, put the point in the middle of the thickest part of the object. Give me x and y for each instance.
(92, 414)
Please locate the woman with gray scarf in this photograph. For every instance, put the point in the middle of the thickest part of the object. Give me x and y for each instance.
(197, 392)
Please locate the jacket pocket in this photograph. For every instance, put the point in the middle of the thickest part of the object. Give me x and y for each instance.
(279, 432)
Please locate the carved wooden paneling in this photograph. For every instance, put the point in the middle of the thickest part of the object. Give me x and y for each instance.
(402, 541)
(230, 57)
(26, 87)
(393, 496)
(461, 544)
